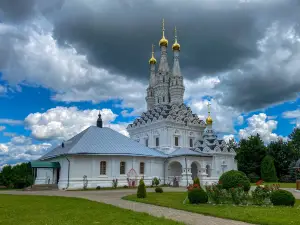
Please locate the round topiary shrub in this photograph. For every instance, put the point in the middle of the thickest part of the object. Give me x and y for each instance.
(141, 191)
(197, 195)
(159, 190)
(283, 197)
(234, 179)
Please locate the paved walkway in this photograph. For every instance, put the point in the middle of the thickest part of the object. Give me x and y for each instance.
(114, 198)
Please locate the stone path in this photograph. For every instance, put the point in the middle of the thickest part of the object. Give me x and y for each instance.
(114, 198)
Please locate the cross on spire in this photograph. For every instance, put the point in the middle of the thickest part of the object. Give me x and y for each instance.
(208, 106)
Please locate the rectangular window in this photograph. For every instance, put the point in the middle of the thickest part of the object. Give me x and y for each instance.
(157, 141)
(191, 142)
(122, 167)
(103, 168)
(142, 167)
(147, 142)
(176, 141)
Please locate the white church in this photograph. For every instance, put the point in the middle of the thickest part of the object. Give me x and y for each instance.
(167, 141)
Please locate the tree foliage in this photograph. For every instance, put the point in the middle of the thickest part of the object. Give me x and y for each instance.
(249, 154)
(18, 176)
(268, 171)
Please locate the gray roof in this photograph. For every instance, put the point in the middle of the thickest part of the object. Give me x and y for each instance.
(186, 151)
(102, 141)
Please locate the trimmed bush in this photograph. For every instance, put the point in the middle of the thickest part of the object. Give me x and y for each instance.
(197, 181)
(283, 197)
(159, 190)
(98, 188)
(268, 171)
(197, 195)
(141, 191)
(234, 179)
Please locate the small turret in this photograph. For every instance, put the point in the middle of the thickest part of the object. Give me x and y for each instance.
(99, 121)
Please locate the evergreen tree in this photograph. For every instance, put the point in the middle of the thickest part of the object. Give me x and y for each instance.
(268, 171)
(295, 142)
(283, 156)
(141, 191)
(249, 154)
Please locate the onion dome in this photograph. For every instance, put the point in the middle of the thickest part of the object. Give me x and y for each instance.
(176, 45)
(163, 41)
(209, 120)
(152, 60)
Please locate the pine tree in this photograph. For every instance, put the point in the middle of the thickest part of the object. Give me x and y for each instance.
(141, 191)
(268, 171)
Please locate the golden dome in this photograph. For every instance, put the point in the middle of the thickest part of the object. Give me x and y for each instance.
(163, 41)
(209, 120)
(152, 60)
(176, 45)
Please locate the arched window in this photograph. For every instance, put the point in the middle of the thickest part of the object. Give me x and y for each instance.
(103, 168)
(164, 99)
(122, 167)
(142, 167)
(208, 170)
(176, 141)
(157, 141)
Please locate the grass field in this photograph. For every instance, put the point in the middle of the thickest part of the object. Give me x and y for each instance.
(282, 185)
(46, 210)
(250, 214)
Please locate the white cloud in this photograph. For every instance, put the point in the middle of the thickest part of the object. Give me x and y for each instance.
(293, 115)
(11, 121)
(223, 116)
(227, 138)
(240, 120)
(259, 124)
(3, 89)
(62, 123)
(2, 128)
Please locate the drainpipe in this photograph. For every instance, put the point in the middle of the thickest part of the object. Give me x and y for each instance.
(68, 172)
(187, 181)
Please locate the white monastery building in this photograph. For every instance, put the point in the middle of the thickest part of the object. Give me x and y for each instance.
(167, 141)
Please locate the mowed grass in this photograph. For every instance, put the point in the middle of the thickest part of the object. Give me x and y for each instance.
(282, 185)
(48, 210)
(250, 214)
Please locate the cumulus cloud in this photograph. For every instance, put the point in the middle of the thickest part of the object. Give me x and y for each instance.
(227, 138)
(223, 116)
(62, 123)
(259, 124)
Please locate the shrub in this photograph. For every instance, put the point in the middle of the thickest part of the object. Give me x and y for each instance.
(238, 196)
(253, 177)
(115, 183)
(268, 171)
(141, 191)
(197, 181)
(196, 194)
(155, 181)
(98, 188)
(125, 186)
(282, 197)
(234, 179)
(261, 194)
(159, 190)
(216, 194)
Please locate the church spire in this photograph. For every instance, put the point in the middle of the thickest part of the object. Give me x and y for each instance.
(176, 82)
(99, 121)
(150, 91)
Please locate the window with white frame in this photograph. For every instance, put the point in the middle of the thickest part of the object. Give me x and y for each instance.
(191, 142)
(157, 141)
(103, 168)
(122, 167)
(142, 167)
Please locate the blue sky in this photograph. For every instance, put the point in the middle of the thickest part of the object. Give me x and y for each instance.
(61, 63)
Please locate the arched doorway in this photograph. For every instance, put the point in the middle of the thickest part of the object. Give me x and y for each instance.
(194, 170)
(174, 173)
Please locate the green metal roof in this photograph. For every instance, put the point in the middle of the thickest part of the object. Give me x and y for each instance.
(41, 164)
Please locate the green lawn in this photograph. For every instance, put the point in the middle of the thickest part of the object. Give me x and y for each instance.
(282, 185)
(250, 214)
(46, 210)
